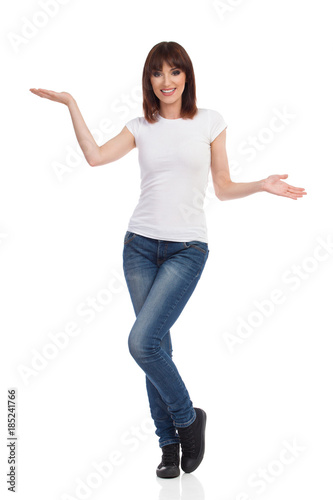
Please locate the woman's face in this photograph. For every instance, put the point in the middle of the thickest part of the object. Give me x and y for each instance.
(168, 79)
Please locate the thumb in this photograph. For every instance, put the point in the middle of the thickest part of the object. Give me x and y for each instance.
(284, 176)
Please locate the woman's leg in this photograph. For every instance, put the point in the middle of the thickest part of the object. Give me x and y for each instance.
(139, 284)
(158, 409)
(180, 267)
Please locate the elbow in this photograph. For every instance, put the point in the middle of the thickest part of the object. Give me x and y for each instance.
(222, 191)
(220, 197)
(94, 158)
(218, 194)
(93, 162)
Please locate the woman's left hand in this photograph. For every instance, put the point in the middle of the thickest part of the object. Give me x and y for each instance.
(272, 184)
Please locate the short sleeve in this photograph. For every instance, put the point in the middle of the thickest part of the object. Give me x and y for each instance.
(217, 124)
(133, 126)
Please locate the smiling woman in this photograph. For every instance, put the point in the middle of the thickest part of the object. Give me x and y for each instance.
(168, 67)
(165, 247)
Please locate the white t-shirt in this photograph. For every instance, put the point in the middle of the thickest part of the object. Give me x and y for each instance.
(174, 158)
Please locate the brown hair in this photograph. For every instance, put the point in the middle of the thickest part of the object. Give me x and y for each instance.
(176, 56)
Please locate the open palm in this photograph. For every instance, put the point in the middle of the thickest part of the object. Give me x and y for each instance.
(273, 185)
(62, 97)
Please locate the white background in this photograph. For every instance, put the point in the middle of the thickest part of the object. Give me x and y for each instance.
(62, 225)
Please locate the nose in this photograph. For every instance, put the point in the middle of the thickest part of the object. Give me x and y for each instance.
(166, 82)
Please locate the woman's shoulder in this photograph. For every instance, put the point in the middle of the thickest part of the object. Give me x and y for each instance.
(136, 119)
(208, 112)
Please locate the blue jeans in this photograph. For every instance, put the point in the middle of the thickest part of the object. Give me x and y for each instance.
(161, 276)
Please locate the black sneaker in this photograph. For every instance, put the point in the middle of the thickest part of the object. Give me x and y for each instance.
(192, 440)
(169, 467)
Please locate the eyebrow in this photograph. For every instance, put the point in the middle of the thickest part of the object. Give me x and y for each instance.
(161, 70)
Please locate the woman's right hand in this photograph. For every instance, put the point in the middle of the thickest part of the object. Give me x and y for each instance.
(63, 97)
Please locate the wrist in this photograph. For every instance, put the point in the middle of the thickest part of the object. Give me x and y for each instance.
(262, 185)
(71, 102)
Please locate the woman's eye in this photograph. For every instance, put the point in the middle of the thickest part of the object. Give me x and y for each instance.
(174, 73)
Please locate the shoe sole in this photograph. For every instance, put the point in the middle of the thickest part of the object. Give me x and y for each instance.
(202, 450)
(168, 474)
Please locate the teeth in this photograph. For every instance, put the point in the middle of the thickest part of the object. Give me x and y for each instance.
(168, 91)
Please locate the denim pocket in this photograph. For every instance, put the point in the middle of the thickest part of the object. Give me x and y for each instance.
(199, 245)
(129, 236)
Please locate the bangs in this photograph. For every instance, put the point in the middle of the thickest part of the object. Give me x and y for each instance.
(171, 57)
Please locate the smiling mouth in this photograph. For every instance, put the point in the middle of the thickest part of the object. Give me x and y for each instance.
(169, 91)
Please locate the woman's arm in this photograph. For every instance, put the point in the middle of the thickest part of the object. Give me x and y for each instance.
(226, 189)
(112, 150)
(95, 155)
(87, 143)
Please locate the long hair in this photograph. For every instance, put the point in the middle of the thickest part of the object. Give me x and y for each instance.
(176, 56)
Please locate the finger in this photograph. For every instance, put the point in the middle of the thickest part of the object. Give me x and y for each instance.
(294, 187)
(292, 193)
(289, 195)
(47, 94)
(50, 92)
(40, 94)
(297, 192)
(38, 91)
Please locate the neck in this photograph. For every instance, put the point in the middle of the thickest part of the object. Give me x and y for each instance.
(171, 111)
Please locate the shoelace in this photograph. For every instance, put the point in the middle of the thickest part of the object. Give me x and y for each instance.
(188, 443)
(170, 456)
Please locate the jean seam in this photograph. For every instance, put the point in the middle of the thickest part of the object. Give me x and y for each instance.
(199, 248)
(129, 239)
(161, 354)
(169, 441)
(203, 264)
(195, 246)
(186, 424)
